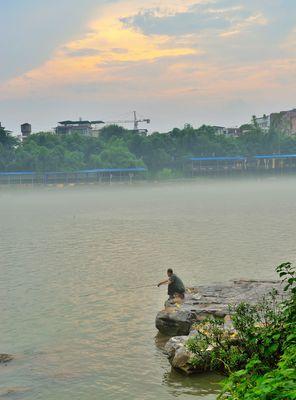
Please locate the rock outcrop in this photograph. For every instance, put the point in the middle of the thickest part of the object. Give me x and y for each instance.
(178, 354)
(214, 300)
(181, 319)
(5, 358)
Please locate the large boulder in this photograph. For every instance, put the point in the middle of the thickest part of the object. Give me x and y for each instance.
(174, 344)
(181, 320)
(175, 322)
(180, 357)
(5, 358)
(178, 354)
(211, 300)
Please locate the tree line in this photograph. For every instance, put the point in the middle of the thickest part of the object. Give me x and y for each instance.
(117, 147)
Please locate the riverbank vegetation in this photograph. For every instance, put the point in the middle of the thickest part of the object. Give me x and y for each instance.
(162, 153)
(259, 354)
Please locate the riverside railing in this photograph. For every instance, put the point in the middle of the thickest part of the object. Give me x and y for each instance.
(83, 176)
(276, 163)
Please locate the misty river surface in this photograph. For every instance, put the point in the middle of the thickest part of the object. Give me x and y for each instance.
(71, 259)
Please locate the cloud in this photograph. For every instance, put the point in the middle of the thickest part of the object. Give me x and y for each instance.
(199, 17)
(289, 45)
(83, 52)
(31, 31)
(119, 50)
(246, 25)
(185, 52)
(87, 59)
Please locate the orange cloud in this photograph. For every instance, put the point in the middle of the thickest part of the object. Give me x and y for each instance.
(108, 41)
(113, 53)
(253, 20)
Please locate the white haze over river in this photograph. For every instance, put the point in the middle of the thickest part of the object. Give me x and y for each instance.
(70, 256)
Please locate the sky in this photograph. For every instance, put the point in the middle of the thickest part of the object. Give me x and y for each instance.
(175, 61)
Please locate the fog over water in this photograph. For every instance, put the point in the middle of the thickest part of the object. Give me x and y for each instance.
(70, 258)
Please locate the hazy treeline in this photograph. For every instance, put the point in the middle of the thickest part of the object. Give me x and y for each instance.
(120, 148)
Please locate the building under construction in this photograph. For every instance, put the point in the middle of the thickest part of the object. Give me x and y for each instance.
(85, 128)
(92, 128)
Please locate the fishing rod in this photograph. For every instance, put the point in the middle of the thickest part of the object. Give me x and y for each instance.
(126, 289)
(141, 287)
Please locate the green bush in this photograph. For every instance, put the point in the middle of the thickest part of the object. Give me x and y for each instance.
(259, 356)
(252, 383)
(166, 173)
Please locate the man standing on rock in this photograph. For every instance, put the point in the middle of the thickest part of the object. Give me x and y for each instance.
(175, 285)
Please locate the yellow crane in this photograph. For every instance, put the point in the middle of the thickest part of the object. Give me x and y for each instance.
(136, 121)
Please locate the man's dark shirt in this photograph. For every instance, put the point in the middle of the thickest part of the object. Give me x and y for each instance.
(176, 285)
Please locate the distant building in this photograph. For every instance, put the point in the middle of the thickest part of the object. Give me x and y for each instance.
(232, 132)
(263, 122)
(85, 128)
(284, 122)
(219, 130)
(26, 130)
(229, 132)
(2, 127)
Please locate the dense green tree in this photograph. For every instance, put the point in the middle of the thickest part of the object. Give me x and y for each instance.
(73, 161)
(45, 139)
(7, 140)
(112, 132)
(117, 155)
(253, 140)
(118, 147)
(8, 144)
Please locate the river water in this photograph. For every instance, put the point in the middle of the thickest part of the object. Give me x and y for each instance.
(71, 259)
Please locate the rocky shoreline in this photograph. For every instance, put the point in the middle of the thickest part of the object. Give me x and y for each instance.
(5, 358)
(177, 320)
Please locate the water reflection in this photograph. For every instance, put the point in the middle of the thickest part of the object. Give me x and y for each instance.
(161, 340)
(195, 385)
(179, 383)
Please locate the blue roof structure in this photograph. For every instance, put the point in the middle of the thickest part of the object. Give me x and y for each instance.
(240, 158)
(89, 171)
(217, 158)
(19, 173)
(86, 171)
(274, 156)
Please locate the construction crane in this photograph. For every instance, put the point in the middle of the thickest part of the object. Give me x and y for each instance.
(134, 121)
